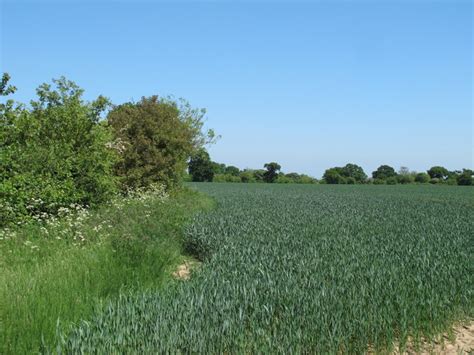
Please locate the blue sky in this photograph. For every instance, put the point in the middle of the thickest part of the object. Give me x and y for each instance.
(307, 84)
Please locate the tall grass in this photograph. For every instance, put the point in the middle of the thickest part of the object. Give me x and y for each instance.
(306, 269)
(54, 273)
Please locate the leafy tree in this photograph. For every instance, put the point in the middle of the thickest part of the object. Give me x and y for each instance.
(232, 170)
(422, 178)
(218, 168)
(384, 172)
(355, 172)
(200, 167)
(466, 178)
(438, 172)
(334, 176)
(271, 174)
(156, 137)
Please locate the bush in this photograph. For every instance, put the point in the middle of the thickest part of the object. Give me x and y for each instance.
(247, 176)
(466, 178)
(350, 180)
(404, 179)
(434, 181)
(391, 180)
(422, 178)
(54, 153)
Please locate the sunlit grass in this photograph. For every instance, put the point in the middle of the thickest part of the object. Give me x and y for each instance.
(57, 273)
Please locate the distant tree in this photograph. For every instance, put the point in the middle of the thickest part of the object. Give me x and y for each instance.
(355, 172)
(438, 172)
(404, 176)
(384, 172)
(218, 168)
(200, 166)
(232, 170)
(403, 171)
(259, 175)
(271, 174)
(466, 178)
(334, 176)
(247, 176)
(422, 178)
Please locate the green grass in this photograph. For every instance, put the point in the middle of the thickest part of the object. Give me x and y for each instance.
(59, 273)
(306, 269)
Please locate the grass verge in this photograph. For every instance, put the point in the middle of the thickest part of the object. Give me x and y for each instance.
(60, 271)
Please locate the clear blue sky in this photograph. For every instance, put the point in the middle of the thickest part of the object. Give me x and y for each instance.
(307, 84)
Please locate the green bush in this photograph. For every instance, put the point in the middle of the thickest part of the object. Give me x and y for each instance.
(54, 153)
(391, 180)
(422, 178)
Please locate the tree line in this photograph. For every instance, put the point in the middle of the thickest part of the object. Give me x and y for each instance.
(201, 168)
(61, 151)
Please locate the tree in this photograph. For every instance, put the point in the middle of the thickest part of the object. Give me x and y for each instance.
(200, 167)
(156, 137)
(384, 172)
(232, 170)
(271, 174)
(218, 168)
(334, 176)
(355, 172)
(438, 172)
(466, 178)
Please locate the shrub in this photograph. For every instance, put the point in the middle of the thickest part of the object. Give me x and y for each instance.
(391, 180)
(434, 181)
(54, 153)
(422, 178)
(378, 182)
(466, 178)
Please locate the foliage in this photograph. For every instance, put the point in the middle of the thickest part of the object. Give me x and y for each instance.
(355, 172)
(155, 138)
(438, 172)
(61, 269)
(226, 178)
(384, 172)
(422, 178)
(306, 269)
(200, 166)
(271, 174)
(466, 178)
(247, 176)
(54, 153)
(232, 170)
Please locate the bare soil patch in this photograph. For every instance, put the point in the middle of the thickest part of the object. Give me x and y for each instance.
(183, 272)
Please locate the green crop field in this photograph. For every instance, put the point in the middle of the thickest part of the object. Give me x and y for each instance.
(306, 269)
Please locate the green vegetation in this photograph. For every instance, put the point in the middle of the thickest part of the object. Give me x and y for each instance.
(305, 269)
(53, 154)
(155, 138)
(59, 270)
(60, 150)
